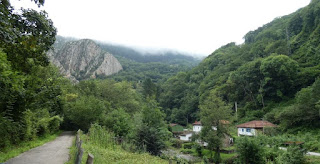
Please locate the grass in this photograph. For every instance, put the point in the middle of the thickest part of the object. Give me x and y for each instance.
(313, 159)
(224, 156)
(15, 150)
(100, 144)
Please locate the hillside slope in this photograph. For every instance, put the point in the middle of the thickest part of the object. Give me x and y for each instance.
(268, 70)
(83, 59)
(158, 66)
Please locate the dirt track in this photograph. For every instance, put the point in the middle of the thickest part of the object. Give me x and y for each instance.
(54, 152)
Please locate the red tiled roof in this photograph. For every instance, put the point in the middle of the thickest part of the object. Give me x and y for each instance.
(197, 123)
(256, 124)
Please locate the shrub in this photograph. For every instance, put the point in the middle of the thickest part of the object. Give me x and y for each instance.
(30, 125)
(9, 132)
(54, 123)
(186, 151)
(188, 145)
(176, 143)
(42, 126)
(250, 151)
(293, 155)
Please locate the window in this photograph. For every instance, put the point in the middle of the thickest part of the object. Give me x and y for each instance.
(242, 130)
(248, 130)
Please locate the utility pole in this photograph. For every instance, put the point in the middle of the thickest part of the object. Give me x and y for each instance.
(236, 108)
(262, 126)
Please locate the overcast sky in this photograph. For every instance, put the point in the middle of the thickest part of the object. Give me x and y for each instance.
(194, 26)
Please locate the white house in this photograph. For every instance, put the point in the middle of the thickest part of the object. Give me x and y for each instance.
(251, 128)
(185, 136)
(197, 127)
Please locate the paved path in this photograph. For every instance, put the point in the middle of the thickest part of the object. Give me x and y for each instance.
(54, 152)
(176, 153)
(308, 153)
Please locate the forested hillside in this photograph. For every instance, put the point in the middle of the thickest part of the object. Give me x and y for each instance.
(272, 75)
(138, 65)
(157, 66)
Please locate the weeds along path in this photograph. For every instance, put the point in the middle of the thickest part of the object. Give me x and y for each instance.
(54, 152)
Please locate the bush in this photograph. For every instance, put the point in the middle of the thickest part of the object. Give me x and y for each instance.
(250, 151)
(186, 151)
(293, 155)
(30, 125)
(54, 123)
(42, 127)
(9, 131)
(188, 145)
(176, 143)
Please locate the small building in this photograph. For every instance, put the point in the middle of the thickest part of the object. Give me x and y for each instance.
(197, 127)
(253, 127)
(186, 136)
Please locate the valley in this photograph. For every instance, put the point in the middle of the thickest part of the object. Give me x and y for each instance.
(254, 102)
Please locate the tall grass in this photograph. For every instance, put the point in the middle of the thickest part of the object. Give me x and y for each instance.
(103, 145)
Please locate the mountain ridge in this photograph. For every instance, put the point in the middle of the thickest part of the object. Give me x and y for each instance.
(84, 59)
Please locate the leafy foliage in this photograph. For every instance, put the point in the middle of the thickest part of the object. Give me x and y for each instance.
(276, 61)
(250, 151)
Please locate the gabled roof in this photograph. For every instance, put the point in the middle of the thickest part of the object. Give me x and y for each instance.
(197, 123)
(256, 124)
(172, 124)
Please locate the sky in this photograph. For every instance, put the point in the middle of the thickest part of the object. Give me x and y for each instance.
(194, 26)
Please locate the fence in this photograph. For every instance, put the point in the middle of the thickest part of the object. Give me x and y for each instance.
(80, 151)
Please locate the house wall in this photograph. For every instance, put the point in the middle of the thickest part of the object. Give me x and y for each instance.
(197, 128)
(186, 137)
(245, 132)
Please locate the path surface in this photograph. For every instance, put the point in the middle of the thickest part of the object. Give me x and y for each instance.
(54, 152)
(176, 153)
(308, 153)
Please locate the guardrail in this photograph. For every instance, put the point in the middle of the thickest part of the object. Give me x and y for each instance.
(79, 152)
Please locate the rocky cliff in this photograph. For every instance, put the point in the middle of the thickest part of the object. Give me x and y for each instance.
(83, 59)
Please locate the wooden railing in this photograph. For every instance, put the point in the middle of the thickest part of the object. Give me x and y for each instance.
(80, 151)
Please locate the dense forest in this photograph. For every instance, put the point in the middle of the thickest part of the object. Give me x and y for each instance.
(273, 75)
(157, 66)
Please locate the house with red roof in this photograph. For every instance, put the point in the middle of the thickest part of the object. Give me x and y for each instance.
(253, 127)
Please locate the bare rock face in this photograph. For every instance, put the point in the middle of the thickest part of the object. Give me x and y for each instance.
(84, 59)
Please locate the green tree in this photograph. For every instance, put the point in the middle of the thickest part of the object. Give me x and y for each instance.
(149, 88)
(84, 111)
(305, 111)
(250, 151)
(213, 110)
(118, 121)
(279, 73)
(152, 132)
(26, 36)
